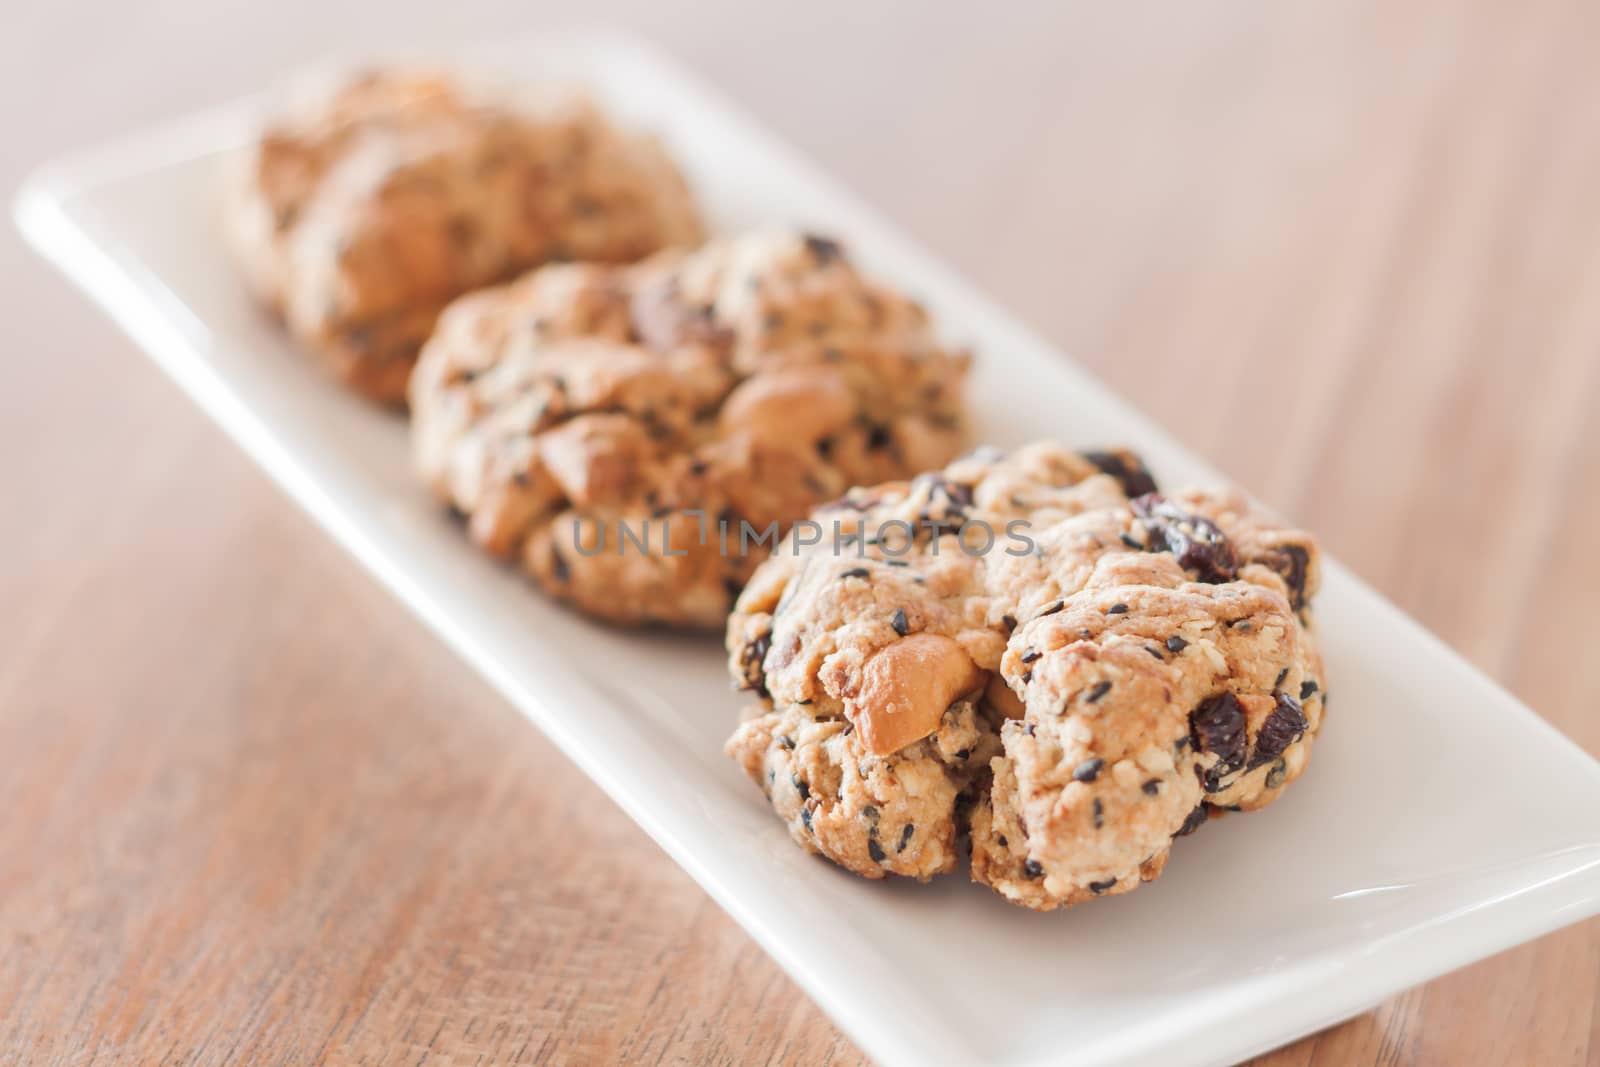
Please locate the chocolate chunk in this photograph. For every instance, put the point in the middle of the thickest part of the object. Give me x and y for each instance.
(1088, 770)
(1151, 787)
(1307, 689)
(1218, 727)
(1293, 564)
(1196, 819)
(1117, 609)
(856, 572)
(1030, 655)
(1176, 644)
(875, 850)
(1199, 544)
(1128, 469)
(1099, 813)
(823, 249)
(801, 786)
(1100, 689)
(1286, 725)
(1032, 869)
(1100, 887)
(905, 837)
(958, 495)
(805, 819)
(1009, 622)
(899, 622)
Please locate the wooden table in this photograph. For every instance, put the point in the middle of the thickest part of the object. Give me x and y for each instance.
(1348, 249)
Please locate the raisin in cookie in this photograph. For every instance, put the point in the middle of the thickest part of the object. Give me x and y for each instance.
(630, 434)
(1035, 649)
(360, 218)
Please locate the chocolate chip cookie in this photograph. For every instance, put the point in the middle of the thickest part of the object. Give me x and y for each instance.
(637, 437)
(1038, 651)
(359, 218)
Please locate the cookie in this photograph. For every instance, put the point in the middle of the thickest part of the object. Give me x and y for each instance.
(359, 218)
(637, 437)
(1037, 651)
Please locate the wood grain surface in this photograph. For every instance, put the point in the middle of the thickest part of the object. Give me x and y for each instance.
(250, 812)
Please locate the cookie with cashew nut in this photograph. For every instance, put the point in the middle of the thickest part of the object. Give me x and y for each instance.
(1037, 652)
(638, 437)
(358, 217)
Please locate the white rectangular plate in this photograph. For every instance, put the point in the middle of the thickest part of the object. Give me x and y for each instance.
(1441, 821)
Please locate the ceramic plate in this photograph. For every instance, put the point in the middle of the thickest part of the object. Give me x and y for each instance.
(1440, 820)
